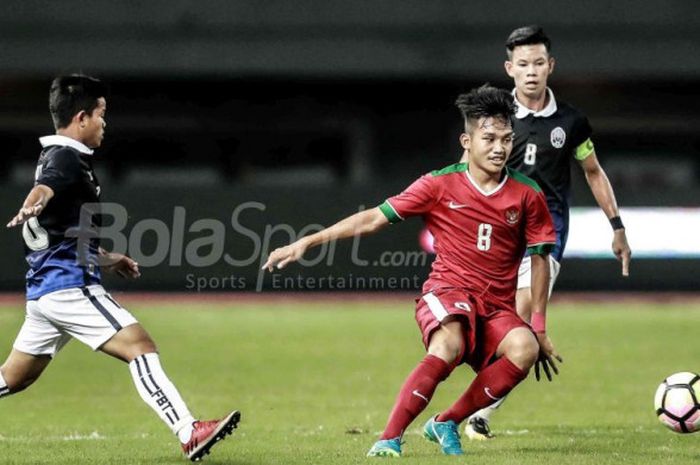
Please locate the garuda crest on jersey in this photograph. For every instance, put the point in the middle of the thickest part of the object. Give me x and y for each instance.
(512, 216)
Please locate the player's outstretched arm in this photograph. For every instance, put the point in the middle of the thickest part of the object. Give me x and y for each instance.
(603, 192)
(539, 287)
(33, 205)
(359, 224)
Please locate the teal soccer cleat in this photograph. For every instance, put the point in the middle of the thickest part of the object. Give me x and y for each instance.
(444, 433)
(386, 448)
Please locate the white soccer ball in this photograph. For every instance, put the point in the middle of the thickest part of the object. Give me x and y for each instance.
(676, 402)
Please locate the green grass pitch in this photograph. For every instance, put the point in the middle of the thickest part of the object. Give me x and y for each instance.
(315, 381)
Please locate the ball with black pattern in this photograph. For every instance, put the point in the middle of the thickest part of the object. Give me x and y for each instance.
(676, 402)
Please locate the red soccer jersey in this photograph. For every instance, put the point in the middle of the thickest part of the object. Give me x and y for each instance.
(480, 237)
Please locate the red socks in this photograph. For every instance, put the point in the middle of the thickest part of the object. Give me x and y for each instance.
(415, 394)
(492, 383)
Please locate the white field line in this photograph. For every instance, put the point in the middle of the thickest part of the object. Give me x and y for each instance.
(94, 436)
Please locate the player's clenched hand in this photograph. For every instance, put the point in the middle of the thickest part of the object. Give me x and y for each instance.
(546, 357)
(122, 265)
(622, 251)
(24, 214)
(285, 255)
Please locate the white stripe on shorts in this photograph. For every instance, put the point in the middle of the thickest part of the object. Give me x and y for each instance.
(435, 306)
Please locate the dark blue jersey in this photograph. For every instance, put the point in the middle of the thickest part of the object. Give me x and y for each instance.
(55, 263)
(545, 144)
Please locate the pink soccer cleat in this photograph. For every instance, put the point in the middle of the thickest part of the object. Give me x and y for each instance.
(207, 433)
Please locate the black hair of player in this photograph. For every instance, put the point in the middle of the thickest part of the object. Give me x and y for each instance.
(485, 102)
(527, 35)
(69, 95)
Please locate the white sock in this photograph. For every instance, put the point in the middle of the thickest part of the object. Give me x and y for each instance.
(486, 412)
(160, 394)
(4, 390)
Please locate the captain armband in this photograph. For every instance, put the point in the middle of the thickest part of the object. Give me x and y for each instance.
(584, 150)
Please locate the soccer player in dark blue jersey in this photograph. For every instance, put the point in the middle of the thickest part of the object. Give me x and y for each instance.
(65, 299)
(549, 135)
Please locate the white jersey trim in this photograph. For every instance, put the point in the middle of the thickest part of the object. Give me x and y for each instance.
(64, 141)
(483, 192)
(547, 111)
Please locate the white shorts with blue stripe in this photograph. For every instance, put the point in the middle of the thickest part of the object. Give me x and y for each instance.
(88, 314)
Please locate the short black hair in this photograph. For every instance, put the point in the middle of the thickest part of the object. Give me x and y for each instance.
(486, 101)
(527, 35)
(72, 94)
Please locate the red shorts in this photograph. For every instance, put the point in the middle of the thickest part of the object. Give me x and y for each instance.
(485, 321)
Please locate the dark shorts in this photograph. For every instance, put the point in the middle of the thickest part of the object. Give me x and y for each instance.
(485, 322)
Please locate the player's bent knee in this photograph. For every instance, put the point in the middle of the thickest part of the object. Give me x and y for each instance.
(129, 343)
(139, 348)
(145, 347)
(524, 353)
(521, 348)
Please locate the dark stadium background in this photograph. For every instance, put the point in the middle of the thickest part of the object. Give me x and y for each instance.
(316, 108)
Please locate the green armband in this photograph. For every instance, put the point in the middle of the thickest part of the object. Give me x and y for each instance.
(540, 249)
(584, 150)
(390, 213)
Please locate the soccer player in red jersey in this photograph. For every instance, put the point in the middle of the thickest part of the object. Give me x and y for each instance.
(483, 217)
